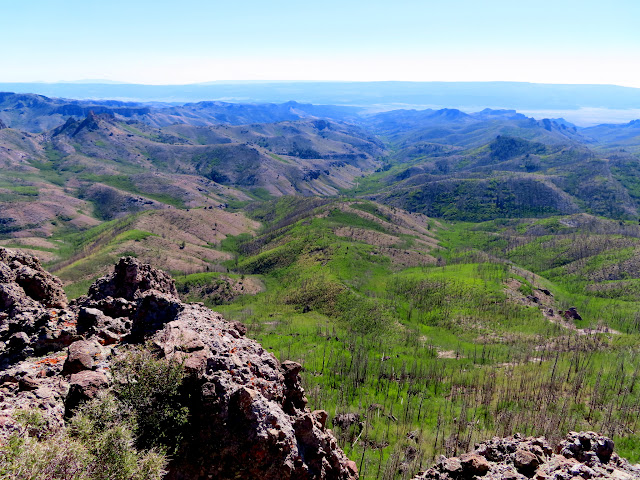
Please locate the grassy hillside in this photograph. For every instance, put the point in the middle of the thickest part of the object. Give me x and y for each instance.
(507, 177)
(418, 337)
(178, 241)
(421, 338)
(483, 295)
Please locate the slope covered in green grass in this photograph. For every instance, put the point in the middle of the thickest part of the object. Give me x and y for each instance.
(435, 356)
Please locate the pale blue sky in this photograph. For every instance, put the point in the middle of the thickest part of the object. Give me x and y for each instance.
(187, 41)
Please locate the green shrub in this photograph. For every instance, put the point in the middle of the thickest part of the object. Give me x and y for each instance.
(151, 391)
(98, 445)
(123, 434)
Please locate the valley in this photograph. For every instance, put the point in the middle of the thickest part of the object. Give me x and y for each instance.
(442, 277)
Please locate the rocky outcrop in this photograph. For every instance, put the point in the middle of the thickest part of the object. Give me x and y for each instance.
(32, 319)
(580, 456)
(2, 125)
(249, 417)
(571, 314)
(252, 415)
(130, 279)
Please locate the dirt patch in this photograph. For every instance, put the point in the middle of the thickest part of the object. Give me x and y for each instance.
(30, 242)
(224, 289)
(199, 226)
(448, 354)
(35, 218)
(168, 255)
(370, 237)
(84, 221)
(406, 258)
(397, 222)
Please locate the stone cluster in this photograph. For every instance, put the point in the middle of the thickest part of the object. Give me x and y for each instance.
(249, 417)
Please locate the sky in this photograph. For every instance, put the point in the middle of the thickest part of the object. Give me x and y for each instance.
(192, 41)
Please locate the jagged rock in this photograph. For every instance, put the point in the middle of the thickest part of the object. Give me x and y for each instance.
(294, 398)
(587, 447)
(130, 279)
(27, 295)
(109, 306)
(41, 286)
(27, 272)
(109, 330)
(3, 125)
(248, 416)
(571, 314)
(252, 416)
(155, 309)
(580, 456)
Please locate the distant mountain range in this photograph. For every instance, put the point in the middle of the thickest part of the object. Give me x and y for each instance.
(382, 95)
(37, 113)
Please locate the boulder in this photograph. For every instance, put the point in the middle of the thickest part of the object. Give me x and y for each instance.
(83, 355)
(41, 286)
(84, 386)
(571, 314)
(525, 462)
(474, 464)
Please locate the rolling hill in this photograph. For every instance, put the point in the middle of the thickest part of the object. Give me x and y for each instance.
(99, 167)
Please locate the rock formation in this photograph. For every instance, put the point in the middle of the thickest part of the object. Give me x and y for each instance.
(584, 455)
(249, 417)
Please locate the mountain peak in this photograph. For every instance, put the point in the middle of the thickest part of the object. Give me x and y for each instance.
(451, 113)
(93, 122)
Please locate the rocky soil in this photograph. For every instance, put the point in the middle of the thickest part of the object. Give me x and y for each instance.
(249, 417)
(584, 455)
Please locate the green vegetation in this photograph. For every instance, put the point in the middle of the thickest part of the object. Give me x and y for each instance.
(433, 357)
(151, 391)
(124, 434)
(279, 158)
(436, 357)
(432, 348)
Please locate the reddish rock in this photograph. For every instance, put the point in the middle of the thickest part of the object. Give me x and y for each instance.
(84, 386)
(83, 355)
(474, 464)
(525, 461)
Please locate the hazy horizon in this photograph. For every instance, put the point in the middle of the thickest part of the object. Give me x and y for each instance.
(583, 105)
